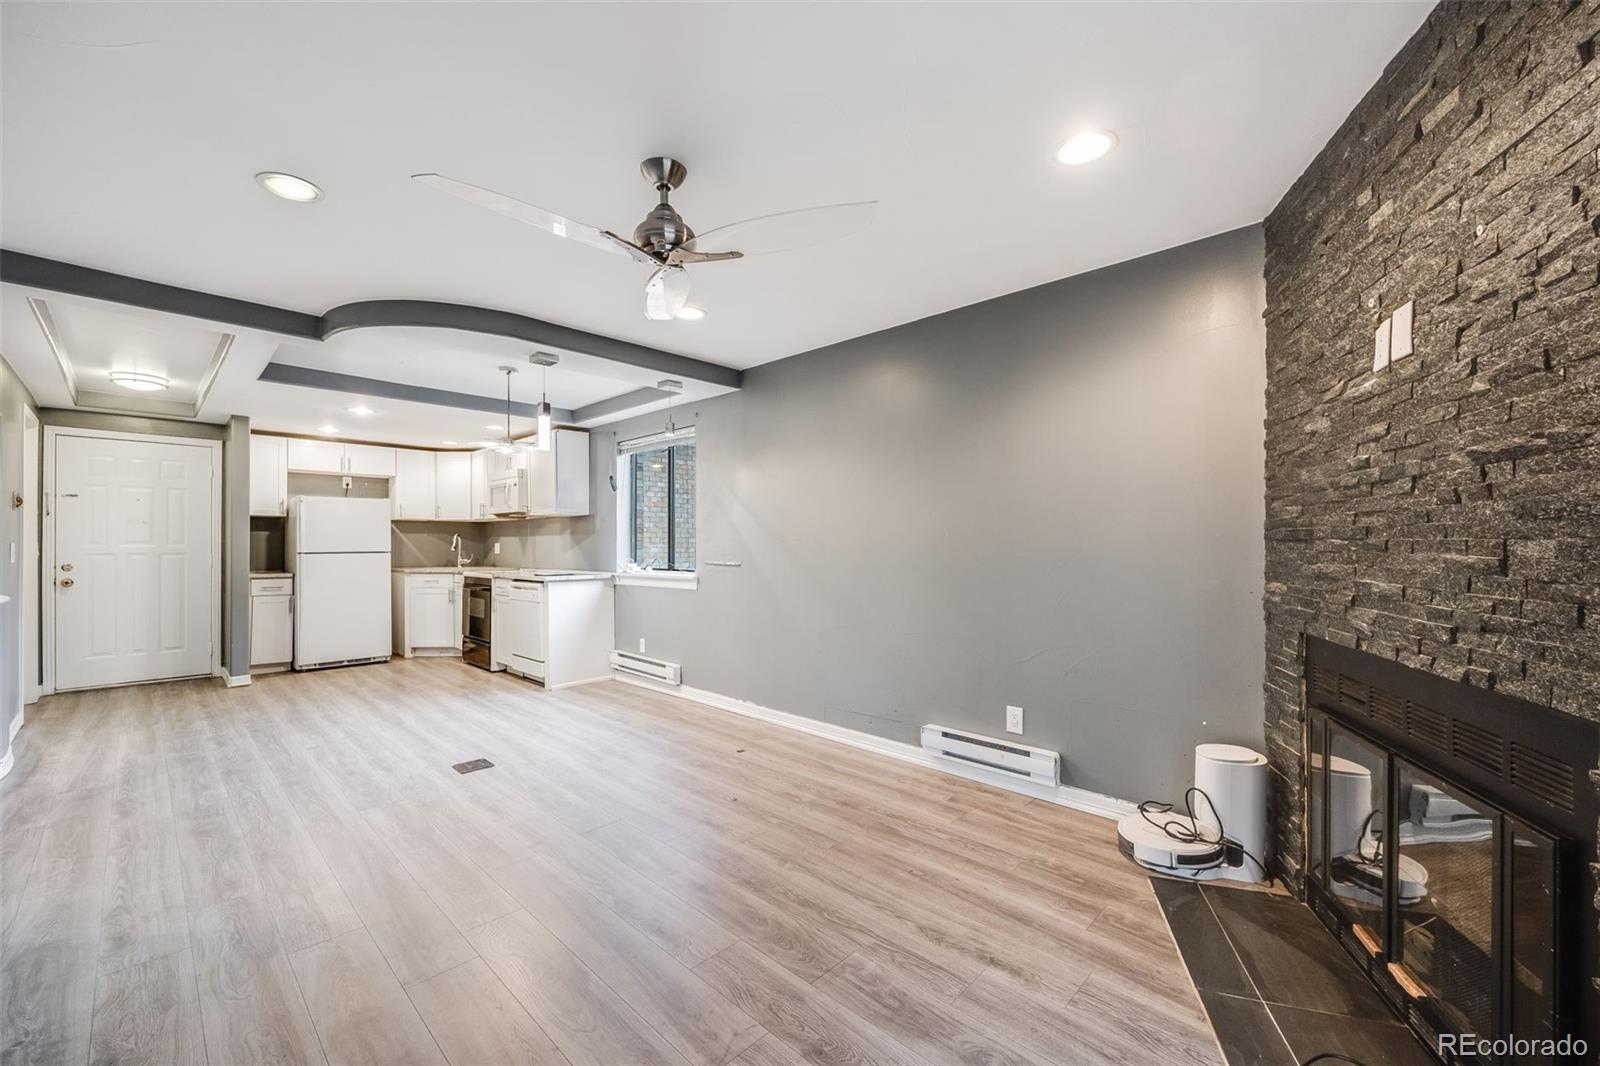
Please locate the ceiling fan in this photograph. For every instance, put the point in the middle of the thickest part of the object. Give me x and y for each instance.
(665, 242)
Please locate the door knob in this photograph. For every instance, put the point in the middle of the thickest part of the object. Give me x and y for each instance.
(66, 567)
(66, 582)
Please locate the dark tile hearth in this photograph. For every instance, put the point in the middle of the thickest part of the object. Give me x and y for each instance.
(1277, 988)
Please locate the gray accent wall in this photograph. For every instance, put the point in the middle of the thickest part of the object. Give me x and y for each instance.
(14, 396)
(1053, 499)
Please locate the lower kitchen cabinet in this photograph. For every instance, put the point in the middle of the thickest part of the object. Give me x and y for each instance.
(271, 624)
(427, 614)
(556, 632)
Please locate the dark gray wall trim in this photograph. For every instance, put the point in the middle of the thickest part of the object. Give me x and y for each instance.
(20, 268)
(306, 377)
(537, 331)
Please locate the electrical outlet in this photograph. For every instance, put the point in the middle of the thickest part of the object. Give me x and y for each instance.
(1013, 719)
(641, 645)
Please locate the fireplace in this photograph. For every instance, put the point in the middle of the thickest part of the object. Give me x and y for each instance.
(1450, 841)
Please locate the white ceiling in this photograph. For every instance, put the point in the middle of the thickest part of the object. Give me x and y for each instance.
(132, 131)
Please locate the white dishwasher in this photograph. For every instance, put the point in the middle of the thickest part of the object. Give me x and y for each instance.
(518, 632)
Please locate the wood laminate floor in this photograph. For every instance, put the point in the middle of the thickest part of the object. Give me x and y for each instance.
(292, 872)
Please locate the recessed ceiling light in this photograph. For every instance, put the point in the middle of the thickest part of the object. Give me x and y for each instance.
(289, 187)
(360, 409)
(328, 430)
(495, 426)
(449, 444)
(1086, 146)
(138, 381)
(692, 314)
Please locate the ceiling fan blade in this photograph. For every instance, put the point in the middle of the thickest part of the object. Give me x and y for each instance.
(682, 256)
(665, 293)
(548, 221)
(786, 230)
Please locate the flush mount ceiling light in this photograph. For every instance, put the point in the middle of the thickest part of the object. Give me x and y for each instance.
(1086, 146)
(138, 380)
(691, 314)
(289, 187)
(361, 409)
(327, 430)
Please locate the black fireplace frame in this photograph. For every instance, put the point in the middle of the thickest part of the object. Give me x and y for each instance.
(1529, 761)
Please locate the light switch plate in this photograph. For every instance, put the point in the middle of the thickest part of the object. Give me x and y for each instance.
(1380, 346)
(641, 645)
(1400, 334)
(1013, 719)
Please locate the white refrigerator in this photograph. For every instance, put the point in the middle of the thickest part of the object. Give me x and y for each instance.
(338, 550)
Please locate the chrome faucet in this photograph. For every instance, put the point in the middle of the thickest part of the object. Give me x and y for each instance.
(455, 546)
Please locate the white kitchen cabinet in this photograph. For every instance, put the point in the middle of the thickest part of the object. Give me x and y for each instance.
(337, 457)
(558, 480)
(413, 492)
(315, 456)
(271, 624)
(269, 475)
(427, 614)
(368, 460)
(559, 633)
(480, 485)
(453, 485)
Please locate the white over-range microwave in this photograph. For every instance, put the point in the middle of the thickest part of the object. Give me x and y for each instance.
(508, 495)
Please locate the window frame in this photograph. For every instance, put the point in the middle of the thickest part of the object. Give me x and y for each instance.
(628, 571)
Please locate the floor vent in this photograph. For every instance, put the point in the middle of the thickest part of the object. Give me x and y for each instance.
(470, 765)
(1016, 760)
(643, 666)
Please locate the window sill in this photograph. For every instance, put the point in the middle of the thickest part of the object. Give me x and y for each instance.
(659, 579)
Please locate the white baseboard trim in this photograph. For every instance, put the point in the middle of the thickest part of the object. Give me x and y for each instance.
(16, 726)
(236, 682)
(1079, 799)
(6, 762)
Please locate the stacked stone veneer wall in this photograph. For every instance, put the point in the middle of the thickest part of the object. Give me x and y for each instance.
(1444, 512)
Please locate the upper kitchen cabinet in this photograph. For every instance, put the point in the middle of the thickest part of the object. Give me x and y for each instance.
(415, 481)
(453, 485)
(269, 476)
(315, 456)
(558, 480)
(368, 460)
(336, 457)
(479, 473)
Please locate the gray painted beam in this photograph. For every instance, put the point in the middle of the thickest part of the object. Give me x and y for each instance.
(309, 378)
(616, 405)
(19, 268)
(508, 324)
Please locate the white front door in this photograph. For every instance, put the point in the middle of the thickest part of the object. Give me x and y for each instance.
(134, 537)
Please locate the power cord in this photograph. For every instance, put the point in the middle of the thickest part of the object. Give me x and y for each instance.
(1189, 832)
(1331, 1056)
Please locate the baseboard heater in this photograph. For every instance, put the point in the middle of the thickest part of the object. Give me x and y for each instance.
(1002, 756)
(643, 666)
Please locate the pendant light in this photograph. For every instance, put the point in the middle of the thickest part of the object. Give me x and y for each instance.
(544, 361)
(509, 445)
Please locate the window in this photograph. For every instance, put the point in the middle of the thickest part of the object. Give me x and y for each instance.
(657, 498)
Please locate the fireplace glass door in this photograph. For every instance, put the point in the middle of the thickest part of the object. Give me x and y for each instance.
(1445, 892)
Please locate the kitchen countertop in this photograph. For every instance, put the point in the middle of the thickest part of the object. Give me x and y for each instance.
(270, 573)
(525, 573)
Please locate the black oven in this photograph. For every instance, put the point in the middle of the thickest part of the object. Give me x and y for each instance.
(477, 621)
